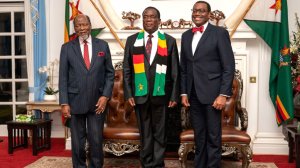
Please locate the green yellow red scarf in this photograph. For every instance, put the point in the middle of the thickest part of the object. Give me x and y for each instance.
(141, 83)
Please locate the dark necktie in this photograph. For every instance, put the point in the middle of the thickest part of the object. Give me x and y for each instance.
(86, 55)
(149, 47)
(200, 29)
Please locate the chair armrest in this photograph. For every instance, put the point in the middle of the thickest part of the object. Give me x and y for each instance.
(243, 115)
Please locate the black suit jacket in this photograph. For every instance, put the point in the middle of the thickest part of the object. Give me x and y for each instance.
(80, 87)
(212, 66)
(172, 74)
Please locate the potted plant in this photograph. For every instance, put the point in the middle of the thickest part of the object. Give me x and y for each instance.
(50, 94)
(49, 91)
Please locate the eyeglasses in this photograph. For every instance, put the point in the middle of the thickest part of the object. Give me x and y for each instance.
(199, 11)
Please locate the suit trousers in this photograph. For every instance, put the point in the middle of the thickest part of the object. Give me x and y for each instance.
(87, 127)
(206, 122)
(152, 120)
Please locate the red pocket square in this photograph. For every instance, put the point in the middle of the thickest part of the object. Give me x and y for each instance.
(101, 54)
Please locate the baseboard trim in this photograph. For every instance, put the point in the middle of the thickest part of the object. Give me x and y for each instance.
(270, 144)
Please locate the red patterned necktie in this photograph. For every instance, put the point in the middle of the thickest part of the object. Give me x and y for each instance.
(149, 46)
(200, 29)
(86, 55)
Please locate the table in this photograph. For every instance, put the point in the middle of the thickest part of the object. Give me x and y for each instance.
(45, 107)
(18, 134)
(294, 144)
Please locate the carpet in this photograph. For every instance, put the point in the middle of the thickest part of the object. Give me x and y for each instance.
(66, 162)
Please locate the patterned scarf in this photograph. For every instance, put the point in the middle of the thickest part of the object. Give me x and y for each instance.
(141, 83)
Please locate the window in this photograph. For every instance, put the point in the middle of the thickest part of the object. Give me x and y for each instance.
(14, 91)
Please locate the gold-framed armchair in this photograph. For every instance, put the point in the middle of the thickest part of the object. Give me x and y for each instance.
(235, 140)
(121, 133)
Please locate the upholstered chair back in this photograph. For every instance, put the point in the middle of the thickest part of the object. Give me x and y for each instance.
(120, 113)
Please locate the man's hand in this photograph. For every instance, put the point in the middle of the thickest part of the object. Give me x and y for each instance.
(65, 109)
(131, 101)
(101, 104)
(220, 102)
(172, 104)
(185, 101)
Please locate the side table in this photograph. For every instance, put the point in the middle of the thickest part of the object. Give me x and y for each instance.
(18, 134)
(294, 144)
(45, 107)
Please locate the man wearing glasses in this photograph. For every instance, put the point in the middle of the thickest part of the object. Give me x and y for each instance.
(207, 70)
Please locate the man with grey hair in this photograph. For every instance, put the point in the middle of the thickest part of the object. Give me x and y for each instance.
(86, 77)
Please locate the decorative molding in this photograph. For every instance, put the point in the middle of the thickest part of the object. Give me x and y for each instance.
(176, 33)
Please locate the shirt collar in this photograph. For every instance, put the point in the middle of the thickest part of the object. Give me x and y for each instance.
(89, 40)
(154, 34)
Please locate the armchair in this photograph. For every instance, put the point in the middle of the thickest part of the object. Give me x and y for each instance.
(121, 133)
(235, 140)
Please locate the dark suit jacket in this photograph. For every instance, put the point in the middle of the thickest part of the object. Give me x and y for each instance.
(80, 87)
(212, 66)
(172, 74)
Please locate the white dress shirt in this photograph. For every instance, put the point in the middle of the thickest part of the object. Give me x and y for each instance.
(154, 44)
(89, 43)
(196, 38)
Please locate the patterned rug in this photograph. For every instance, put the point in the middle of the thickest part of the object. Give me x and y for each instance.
(66, 162)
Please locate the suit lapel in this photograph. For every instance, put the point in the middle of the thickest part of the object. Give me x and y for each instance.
(76, 47)
(94, 52)
(146, 59)
(204, 36)
(153, 62)
(189, 38)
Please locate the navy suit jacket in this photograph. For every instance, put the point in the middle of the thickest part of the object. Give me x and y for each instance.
(172, 74)
(81, 87)
(212, 66)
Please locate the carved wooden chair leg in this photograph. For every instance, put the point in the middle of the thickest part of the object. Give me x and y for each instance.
(246, 155)
(182, 153)
(184, 150)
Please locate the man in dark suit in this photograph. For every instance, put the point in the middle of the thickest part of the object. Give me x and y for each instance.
(207, 71)
(151, 84)
(86, 79)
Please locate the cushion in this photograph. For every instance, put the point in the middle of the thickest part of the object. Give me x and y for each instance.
(121, 133)
(230, 134)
